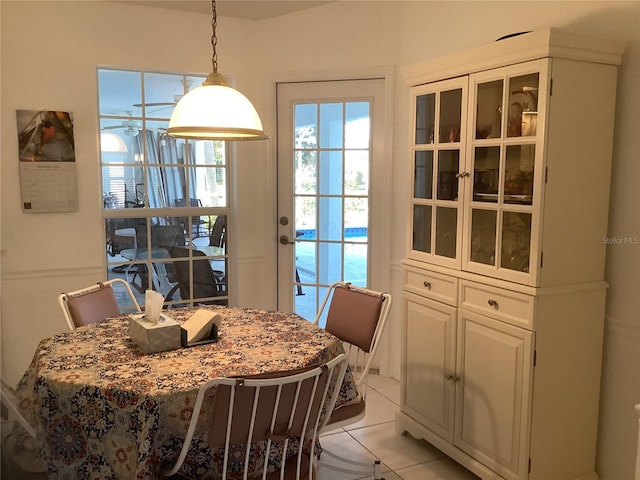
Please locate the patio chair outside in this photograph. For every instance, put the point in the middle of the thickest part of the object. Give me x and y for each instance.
(218, 232)
(197, 223)
(207, 282)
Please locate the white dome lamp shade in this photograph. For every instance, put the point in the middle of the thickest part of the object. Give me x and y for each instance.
(112, 142)
(215, 111)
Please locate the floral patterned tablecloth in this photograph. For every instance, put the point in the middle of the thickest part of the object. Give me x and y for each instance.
(104, 409)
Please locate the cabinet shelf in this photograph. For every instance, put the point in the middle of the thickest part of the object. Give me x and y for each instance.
(508, 198)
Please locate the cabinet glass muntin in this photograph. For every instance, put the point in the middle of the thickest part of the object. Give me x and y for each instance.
(502, 154)
(437, 164)
(503, 161)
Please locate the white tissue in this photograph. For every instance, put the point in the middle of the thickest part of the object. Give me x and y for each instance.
(198, 326)
(152, 306)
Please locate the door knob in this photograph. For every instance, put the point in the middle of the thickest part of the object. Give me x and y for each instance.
(284, 240)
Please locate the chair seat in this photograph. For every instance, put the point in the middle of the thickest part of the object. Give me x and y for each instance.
(347, 412)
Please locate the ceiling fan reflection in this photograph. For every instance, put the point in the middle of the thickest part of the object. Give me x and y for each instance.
(158, 106)
(131, 128)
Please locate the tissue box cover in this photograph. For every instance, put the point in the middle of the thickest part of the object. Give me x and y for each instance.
(153, 338)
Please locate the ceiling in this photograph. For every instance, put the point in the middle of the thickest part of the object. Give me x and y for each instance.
(245, 9)
(118, 103)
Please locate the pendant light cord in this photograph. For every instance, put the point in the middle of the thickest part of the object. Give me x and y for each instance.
(214, 38)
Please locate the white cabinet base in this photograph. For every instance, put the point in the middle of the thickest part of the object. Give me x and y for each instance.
(407, 425)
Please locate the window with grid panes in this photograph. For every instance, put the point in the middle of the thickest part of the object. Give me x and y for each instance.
(165, 200)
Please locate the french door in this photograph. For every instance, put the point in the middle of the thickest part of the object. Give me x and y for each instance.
(332, 180)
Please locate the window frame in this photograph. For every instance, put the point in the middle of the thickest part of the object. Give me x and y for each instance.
(200, 159)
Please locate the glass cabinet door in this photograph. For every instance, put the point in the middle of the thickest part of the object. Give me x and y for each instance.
(504, 107)
(437, 165)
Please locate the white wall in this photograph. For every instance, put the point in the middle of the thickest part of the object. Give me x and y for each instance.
(49, 54)
(50, 51)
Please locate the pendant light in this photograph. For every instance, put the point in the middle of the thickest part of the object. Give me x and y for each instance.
(112, 142)
(215, 111)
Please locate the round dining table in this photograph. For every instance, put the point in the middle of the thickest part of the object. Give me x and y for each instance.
(102, 408)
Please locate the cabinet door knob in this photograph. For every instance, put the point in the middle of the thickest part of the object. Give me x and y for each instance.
(452, 378)
(427, 285)
(462, 174)
(493, 303)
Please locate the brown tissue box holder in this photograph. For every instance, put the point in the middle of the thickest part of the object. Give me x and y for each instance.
(213, 337)
(155, 337)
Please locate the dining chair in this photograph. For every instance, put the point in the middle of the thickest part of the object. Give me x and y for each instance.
(20, 456)
(357, 316)
(264, 421)
(94, 303)
(8, 397)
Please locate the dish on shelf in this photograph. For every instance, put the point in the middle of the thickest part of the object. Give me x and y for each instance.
(520, 101)
(508, 198)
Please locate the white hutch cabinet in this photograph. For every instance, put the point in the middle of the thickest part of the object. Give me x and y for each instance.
(504, 277)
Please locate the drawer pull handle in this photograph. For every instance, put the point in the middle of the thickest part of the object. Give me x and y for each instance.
(427, 285)
(462, 174)
(493, 303)
(452, 378)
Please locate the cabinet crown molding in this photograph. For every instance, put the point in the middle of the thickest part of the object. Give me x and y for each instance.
(546, 43)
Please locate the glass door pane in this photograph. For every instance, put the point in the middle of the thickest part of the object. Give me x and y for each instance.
(489, 110)
(425, 118)
(483, 236)
(448, 168)
(422, 228)
(446, 228)
(523, 105)
(518, 177)
(450, 116)
(423, 175)
(516, 240)
(486, 174)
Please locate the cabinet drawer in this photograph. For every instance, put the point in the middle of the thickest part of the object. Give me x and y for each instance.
(511, 307)
(436, 286)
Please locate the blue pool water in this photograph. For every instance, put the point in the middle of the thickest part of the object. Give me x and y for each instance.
(352, 232)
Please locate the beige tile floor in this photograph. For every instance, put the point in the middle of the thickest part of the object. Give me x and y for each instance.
(402, 456)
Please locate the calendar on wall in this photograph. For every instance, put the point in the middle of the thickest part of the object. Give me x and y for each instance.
(48, 176)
